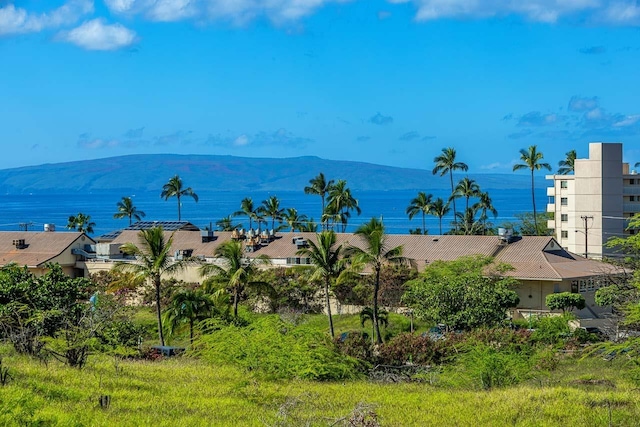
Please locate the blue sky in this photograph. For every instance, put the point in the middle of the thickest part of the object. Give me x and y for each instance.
(381, 81)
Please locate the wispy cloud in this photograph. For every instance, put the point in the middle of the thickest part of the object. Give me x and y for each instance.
(16, 20)
(428, 138)
(535, 118)
(97, 35)
(579, 104)
(235, 11)
(279, 138)
(363, 138)
(520, 134)
(134, 133)
(85, 140)
(409, 136)
(379, 119)
(593, 50)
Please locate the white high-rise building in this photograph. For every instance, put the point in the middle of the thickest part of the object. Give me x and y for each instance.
(594, 203)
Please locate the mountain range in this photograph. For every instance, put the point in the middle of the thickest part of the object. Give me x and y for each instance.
(149, 172)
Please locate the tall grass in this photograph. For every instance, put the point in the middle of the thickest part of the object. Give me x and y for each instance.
(190, 392)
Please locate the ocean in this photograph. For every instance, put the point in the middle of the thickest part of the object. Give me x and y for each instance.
(38, 209)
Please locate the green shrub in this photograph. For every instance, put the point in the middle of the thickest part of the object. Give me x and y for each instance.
(551, 330)
(277, 349)
(409, 348)
(355, 344)
(487, 367)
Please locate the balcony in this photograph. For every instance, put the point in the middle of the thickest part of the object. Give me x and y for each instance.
(631, 207)
(551, 191)
(551, 207)
(551, 224)
(631, 190)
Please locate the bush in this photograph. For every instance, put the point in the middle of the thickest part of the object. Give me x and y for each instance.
(486, 367)
(409, 348)
(565, 301)
(278, 349)
(355, 344)
(551, 330)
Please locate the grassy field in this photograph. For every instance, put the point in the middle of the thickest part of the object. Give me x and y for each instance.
(190, 392)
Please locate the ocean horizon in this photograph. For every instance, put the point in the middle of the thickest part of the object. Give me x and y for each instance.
(35, 210)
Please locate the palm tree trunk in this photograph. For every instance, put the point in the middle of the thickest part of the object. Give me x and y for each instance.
(440, 218)
(178, 197)
(326, 295)
(376, 325)
(455, 216)
(158, 311)
(424, 227)
(533, 200)
(235, 303)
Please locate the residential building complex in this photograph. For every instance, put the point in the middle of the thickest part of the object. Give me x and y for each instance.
(595, 203)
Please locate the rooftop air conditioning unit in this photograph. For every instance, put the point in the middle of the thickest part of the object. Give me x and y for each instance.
(19, 243)
(49, 227)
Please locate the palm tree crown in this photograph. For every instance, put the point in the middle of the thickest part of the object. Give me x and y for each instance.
(423, 204)
(532, 160)
(567, 165)
(174, 188)
(341, 203)
(446, 163)
(247, 209)
(126, 209)
(466, 188)
(81, 223)
(271, 209)
(237, 271)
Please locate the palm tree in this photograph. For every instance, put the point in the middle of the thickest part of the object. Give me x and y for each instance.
(483, 205)
(226, 224)
(466, 188)
(326, 257)
(247, 209)
(188, 306)
(319, 186)
(375, 254)
(126, 209)
(309, 226)
(294, 220)
(341, 202)
(173, 188)
(439, 208)
(271, 209)
(446, 163)
(237, 271)
(421, 204)
(567, 165)
(468, 223)
(81, 223)
(367, 314)
(153, 256)
(532, 160)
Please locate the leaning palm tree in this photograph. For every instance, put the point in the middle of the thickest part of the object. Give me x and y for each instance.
(81, 223)
(236, 272)
(466, 188)
(439, 209)
(341, 202)
(153, 260)
(423, 204)
(484, 205)
(188, 306)
(532, 160)
(293, 219)
(567, 165)
(320, 187)
(126, 209)
(375, 254)
(271, 209)
(446, 164)
(173, 188)
(367, 314)
(326, 256)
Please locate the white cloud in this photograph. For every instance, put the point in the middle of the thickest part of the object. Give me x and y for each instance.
(97, 35)
(241, 141)
(237, 11)
(15, 20)
(535, 10)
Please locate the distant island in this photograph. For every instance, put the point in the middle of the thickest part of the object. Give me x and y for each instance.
(149, 172)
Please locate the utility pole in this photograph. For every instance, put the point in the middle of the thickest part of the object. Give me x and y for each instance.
(585, 218)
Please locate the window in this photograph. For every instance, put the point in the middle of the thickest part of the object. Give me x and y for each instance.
(632, 182)
(298, 261)
(564, 201)
(564, 217)
(564, 234)
(632, 198)
(563, 184)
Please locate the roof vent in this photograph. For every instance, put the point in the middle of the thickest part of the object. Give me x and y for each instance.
(505, 234)
(19, 243)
